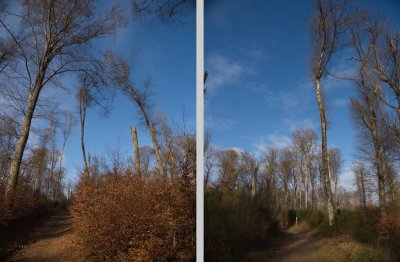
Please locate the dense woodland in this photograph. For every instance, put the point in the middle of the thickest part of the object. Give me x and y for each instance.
(142, 208)
(249, 199)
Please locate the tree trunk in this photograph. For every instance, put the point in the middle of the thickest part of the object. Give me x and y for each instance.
(325, 163)
(306, 192)
(24, 134)
(136, 152)
(156, 150)
(286, 196)
(253, 183)
(364, 198)
(82, 113)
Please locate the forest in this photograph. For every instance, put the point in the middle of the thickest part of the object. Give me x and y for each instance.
(287, 204)
(139, 207)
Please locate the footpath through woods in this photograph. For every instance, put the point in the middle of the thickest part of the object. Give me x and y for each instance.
(54, 240)
(298, 245)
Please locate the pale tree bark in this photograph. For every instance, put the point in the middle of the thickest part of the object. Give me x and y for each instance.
(66, 131)
(326, 28)
(136, 152)
(324, 149)
(141, 100)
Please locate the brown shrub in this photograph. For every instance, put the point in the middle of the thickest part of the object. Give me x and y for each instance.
(123, 218)
(390, 227)
(25, 202)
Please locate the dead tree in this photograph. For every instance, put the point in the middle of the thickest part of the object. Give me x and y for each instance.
(136, 151)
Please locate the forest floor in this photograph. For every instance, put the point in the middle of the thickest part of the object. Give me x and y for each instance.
(299, 244)
(53, 240)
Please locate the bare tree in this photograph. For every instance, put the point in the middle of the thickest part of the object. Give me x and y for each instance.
(271, 170)
(304, 142)
(360, 175)
(53, 152)
(8, 137)
(367, 108)
(228, 170)
(209, 158)
(39, 161)
(327, 26)
(335, 165)
(67, 123)
(53, 40)
(286, 167)
(166, 11)
(141, 99)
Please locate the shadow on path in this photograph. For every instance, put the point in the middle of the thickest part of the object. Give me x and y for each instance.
(53, 241)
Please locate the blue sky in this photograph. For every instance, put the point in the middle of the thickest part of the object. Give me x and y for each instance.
(164, 52)
(259, 88)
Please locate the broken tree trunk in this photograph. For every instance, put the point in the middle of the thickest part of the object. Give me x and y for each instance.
(136, 152)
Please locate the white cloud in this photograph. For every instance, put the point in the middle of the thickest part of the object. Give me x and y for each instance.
(271, 140)
(278, 141)
(219, 124)
(341, 102)
(296, 98)
(298, 124)
(237, 149)
(222, 71)
(346, 179)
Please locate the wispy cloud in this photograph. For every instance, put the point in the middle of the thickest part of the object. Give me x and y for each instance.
(222, 71)
(219, 124)
(346, 179)
(294, 124)
(271, 140)
(341, 102)
(296, 98)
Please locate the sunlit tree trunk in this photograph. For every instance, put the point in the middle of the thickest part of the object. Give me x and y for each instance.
(136, 152)
(25, 128)
(324, 148)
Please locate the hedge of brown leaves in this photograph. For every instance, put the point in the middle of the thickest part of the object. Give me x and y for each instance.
(390, 226)
(122, 218)
(24, 202)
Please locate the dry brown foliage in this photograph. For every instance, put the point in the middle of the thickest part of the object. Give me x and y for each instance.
(25, 203)
(389, 226)
(123, 218)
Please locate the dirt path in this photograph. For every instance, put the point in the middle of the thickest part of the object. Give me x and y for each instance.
(300, 246)
(54, 241)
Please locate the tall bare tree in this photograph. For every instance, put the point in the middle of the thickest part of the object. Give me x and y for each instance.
(53, 39)
(335, 165)
(210, 157)
(141, 99)
(286, 168)
(327, 26)
(67, 123)
(304, 142)
(271, 172)
(367, 108)
(360, 175)
(228, 170)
